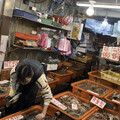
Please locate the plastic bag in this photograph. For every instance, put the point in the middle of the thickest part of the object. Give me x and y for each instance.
(42, 40)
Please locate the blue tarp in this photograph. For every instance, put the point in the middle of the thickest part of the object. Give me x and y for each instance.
(97, 27)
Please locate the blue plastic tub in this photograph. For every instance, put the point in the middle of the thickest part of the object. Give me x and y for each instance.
(22, 13)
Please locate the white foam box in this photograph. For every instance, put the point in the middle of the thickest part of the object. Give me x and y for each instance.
(81, 49)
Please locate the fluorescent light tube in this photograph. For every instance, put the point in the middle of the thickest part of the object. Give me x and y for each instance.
(87, 4)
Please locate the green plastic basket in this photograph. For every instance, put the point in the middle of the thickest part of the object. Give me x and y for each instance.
(46, 21)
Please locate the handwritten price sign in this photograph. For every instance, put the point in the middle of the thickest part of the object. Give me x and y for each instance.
(112, 53)
(10, 64)
(96, 101)
(58, 104)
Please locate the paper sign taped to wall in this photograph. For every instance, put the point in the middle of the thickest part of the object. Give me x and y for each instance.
(2, 56)
(3, 44)
(10, 64)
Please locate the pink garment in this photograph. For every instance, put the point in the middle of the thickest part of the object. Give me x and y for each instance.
(68, 49)
(39, 40)
(42, 40)
(63, 46)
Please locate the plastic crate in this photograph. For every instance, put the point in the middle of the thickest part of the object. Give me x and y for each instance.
(114, 103)
(5, 74)
(76, 89)
(4, 94)
(76, 71)
(87, 117)
(46, 21)
(27, 111)
(26, 36)
(67, 64)
(53, 83)
(67, 114)
(27, 15)
(87, 59)
(2, 102)
(96, 76)
(79, 63)
(111, 76)
(75, 62)
(62, 78)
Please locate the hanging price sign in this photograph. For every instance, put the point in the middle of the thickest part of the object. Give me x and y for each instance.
(96, 101)
(10, 64)
(111, 53)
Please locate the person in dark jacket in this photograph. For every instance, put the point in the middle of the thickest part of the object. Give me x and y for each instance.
(25, 79)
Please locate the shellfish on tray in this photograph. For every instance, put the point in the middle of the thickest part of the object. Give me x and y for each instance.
(103, 115)
(80, 109)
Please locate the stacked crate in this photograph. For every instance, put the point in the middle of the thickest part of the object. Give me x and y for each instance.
(29, 113)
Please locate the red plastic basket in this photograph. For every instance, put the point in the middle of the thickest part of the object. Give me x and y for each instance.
(115, 104)
(27, 111)
(67, 114)
(5, 74)
(62, 78)
(87, 117)
(96, 76)
(76, 89)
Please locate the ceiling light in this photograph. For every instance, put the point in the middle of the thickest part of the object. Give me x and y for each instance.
(90, 11)
(105, 22)
(100, 5)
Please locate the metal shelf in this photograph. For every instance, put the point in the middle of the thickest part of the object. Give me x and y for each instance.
(45, 25)
(31, 48)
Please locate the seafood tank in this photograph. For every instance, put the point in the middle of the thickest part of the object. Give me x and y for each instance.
(93, 87)
(81, 108)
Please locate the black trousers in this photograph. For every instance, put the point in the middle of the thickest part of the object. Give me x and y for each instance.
(25, 100)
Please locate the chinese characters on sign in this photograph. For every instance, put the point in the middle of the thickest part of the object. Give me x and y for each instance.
(112, 53)
(96, 101)
(10, 64)
(58, 104)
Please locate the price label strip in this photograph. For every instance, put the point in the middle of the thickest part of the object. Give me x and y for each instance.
(58, 104)
(10, 64)
(4, 82)
(74, 106)
(17, 117)
(93, 92)
(96, 101)
(115, 101)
